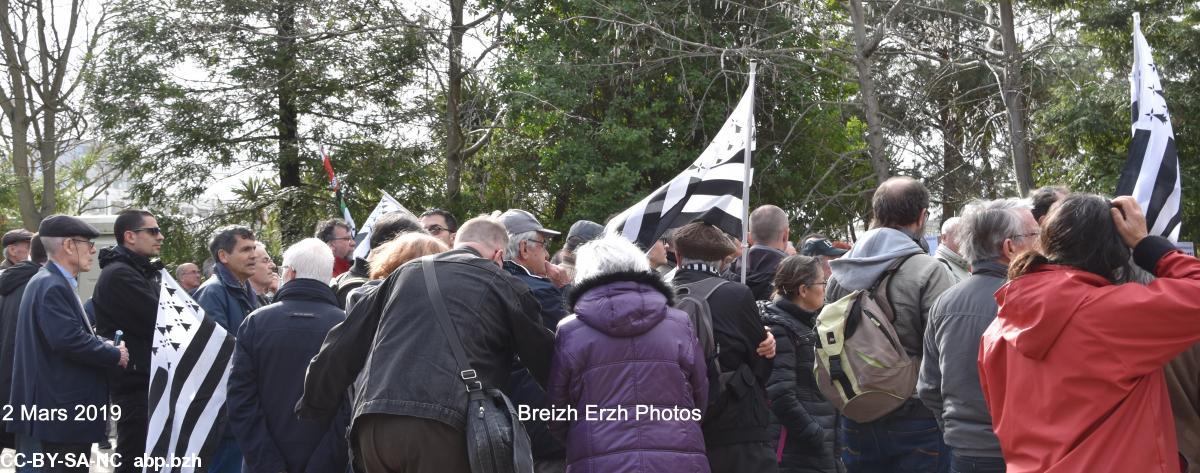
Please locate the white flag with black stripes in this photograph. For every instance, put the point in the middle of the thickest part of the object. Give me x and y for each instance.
(1151, 174)
(190, 360)
(387, 204)
(712, 183)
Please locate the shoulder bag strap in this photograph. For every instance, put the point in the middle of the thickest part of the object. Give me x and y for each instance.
(469, 377)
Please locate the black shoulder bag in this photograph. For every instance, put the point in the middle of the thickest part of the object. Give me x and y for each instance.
(496, 440)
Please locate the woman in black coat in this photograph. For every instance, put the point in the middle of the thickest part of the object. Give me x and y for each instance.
(805, 423)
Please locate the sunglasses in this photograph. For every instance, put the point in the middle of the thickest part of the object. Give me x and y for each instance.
(154, 231)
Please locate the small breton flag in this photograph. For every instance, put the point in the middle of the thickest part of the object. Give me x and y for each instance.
(713, 184)
(190, 360)
(1151, 174)
(387, 204)
(337, 189)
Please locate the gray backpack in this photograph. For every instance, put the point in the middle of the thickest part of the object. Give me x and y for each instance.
(861, 368)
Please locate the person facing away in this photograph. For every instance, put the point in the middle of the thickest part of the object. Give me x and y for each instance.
(126, 299)
(991, 234)
(949, 250)
(59, 361)
(805, 423)
(624, 347)
(410, 416)
(12, 290)
(274, 345)
(387, 227)
(1072, 367)
(770, 233)
(906, 439)
(227, 299)
(735, 426)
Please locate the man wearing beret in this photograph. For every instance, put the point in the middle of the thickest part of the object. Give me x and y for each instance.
(60, 363)
(16, 247)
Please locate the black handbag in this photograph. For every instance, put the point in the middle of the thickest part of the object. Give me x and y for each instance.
(496, 440)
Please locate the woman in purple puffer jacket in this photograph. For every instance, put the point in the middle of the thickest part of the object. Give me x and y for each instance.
(627, 369)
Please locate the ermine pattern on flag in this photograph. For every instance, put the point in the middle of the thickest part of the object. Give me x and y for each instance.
(713, 181)
(386, 205)
(1151, 174)
(190, 362)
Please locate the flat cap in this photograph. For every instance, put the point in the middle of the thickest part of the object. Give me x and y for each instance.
(519, 221)
(582, 232)
(16, 236)
(66, 226)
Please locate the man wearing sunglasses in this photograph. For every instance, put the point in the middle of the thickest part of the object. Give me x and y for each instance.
(59, 362)
(126, 299)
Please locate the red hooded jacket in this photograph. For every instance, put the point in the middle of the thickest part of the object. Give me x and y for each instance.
(1072, 367)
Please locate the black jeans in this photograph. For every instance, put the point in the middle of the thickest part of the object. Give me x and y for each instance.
(964, 464)
(131, 395)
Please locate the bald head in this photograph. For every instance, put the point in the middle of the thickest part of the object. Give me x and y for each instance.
(949, 235)
(486, 235)
(769, 226)
(900, 202)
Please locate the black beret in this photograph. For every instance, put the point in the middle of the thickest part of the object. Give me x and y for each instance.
(16, 236)
(66, 226)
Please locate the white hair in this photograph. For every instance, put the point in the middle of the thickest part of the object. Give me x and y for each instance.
(513, 251)
(53, 245)
(310, 258)
(986, 224)
(607, 255)
(259, 245)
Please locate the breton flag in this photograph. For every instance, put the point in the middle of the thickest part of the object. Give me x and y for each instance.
(714, 182)
(189, 361)
(1151, 174)
(337, 188)
(386, 205)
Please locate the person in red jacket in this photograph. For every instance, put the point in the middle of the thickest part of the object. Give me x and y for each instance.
(1072, 367)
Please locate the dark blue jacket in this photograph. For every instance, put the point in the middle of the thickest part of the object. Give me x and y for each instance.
(274, 346)
(225, 300)
(59, 363)
(521, 386)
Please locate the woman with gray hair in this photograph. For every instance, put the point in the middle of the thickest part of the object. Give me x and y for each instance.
(629, 367)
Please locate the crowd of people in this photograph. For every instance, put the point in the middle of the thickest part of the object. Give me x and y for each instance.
(1037, 334)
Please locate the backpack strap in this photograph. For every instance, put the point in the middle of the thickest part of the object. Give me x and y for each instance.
(885, 279)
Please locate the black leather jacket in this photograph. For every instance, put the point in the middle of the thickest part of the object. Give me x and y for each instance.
(408, 368)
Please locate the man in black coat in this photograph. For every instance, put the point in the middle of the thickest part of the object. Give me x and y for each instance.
(126, 299)
(12, 286)
(410, 405)
(736, 425)
(769, 230)
(60, 363)
(274, 346)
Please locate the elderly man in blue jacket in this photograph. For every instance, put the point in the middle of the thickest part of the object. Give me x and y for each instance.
(274, 346)
(60, 366)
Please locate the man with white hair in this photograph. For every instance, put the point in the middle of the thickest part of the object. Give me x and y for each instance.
(274, 345)
(948, 251)
(991, 234)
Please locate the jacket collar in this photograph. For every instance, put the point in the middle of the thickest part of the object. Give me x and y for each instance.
(227, 279)
(990, 268)
(308, 290)
(517, 270)
(648, 278)
(788, 313)
(950, 255)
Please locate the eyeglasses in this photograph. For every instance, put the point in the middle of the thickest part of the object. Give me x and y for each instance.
(153, 231)
(436, 229)
(540, 242)
(90, 244)
(339, 239)
(1026, 235)
(822, 283)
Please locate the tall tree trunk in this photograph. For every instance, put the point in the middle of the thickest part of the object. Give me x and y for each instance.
(866, 91)
(1013, 101)
(455, 157)
(292, 227)
(16, 110)
(952, 158)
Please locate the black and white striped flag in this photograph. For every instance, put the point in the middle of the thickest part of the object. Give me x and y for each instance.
(189, 361)
(1151, 174)
(387, 204)
(714, 182)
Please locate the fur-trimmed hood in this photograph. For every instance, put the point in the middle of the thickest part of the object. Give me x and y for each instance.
(622, 304)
